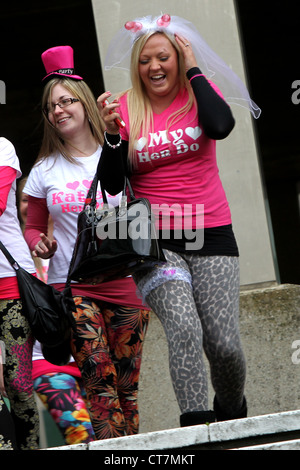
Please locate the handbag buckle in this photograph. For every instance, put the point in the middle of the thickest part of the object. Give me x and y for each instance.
(123, 206)
(90, 213)
(105, 211)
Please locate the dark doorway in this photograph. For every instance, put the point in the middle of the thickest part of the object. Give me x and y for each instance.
(270, 35)
(26, 30)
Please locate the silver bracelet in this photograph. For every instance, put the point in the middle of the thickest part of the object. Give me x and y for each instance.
(110, 145)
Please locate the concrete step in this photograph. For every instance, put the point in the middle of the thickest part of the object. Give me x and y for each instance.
(279, 431)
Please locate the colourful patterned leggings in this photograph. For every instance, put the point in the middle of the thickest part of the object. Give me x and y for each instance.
(63, 396)
(108, 350)
(16, 335)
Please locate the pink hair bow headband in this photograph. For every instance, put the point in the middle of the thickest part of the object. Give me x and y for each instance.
(135, 26)
(211, 65)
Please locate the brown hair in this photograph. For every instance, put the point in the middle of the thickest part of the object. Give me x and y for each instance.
(52, 142)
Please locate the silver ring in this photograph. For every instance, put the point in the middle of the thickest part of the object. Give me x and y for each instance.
(187, 44)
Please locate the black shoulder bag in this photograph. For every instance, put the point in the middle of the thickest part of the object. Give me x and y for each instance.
(48, 311)
(114, 242)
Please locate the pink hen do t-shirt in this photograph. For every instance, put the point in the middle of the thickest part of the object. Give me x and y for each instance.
(178, 167)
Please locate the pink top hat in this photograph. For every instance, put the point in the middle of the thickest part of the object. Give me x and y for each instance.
(59, 62)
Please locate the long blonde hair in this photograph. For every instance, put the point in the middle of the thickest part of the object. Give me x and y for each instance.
(139, 107)
(52, 142)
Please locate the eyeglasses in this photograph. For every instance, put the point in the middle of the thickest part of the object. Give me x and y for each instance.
(62, 104)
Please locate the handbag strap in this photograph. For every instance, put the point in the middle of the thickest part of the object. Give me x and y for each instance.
(92, 193)
(131, 193)
(15, 264)
(124, 192)
(90, 199)
(10, 258)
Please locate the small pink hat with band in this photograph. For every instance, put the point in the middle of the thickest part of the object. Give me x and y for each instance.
(59, 62)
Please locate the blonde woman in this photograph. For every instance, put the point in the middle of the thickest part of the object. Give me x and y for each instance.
(174, 115)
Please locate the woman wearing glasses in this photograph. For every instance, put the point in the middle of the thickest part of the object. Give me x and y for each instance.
(111, 321)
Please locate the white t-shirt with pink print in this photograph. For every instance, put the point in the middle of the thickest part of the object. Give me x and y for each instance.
(10, 229)
(64, 185)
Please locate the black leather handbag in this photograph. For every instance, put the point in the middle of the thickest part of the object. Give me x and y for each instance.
(114, 242)
(48, 311)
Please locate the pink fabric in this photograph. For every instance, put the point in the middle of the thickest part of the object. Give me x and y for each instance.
(198, 75)
(9, 288)
(120, 292)
(37, 221)
(179, 166)
(21, 353)
(7, 177)
(41, 366)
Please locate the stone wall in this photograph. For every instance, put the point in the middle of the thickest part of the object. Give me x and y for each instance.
(270, 324)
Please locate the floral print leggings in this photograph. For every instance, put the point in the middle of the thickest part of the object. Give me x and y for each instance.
(63, 396)
(16, 335)
(107, 347)
(7, 429)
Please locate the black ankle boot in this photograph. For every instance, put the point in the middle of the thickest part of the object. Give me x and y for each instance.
(193, 418)
(223, 416)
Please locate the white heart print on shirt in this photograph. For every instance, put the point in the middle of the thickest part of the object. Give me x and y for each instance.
(140, 144)
(193, 132)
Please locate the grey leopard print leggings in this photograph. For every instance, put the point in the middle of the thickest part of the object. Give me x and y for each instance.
(200, 316)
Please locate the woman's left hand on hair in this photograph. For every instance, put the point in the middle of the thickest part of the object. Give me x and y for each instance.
(187, 52)
(108, 113)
